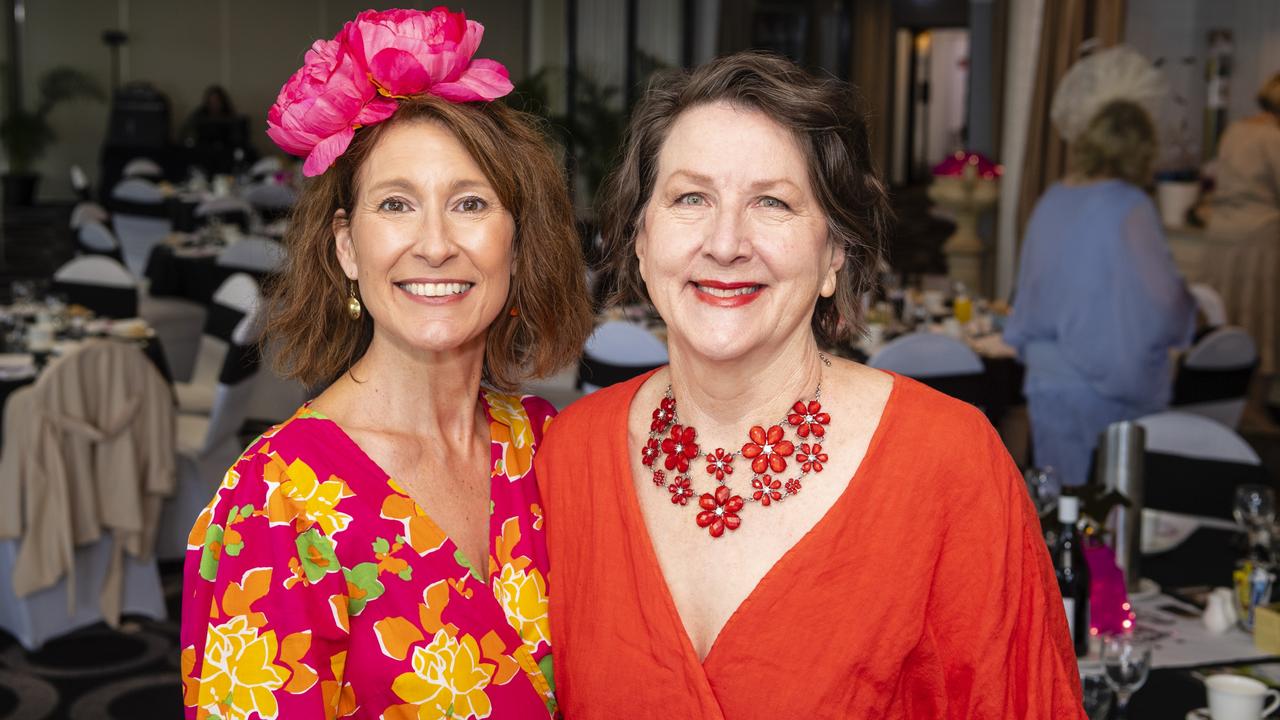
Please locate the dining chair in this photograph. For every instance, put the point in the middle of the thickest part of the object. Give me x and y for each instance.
(88, 455)
(939, 361)
(259, 254)
(616, 351)
(85, 211)
(1212, 378)
(209, 443)
(1191, 467)
(1210, 304)
(141, 220)
(94, 238)
(143, 168)
(99, 283)
(226, 210)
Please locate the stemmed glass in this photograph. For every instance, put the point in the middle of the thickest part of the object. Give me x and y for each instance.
(1255, 509)
(1127, 662)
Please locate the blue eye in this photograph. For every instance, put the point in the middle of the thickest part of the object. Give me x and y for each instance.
(691, 199)
(395, 205)
(773, 202)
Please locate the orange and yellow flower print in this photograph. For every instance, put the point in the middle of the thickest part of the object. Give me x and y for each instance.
(448, 679)
(523, 596)
(240, 674)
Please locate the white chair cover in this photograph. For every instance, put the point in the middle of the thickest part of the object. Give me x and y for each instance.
(143, 167)
(86, 211)
(266, 166)
(95, 270)
(97, 237)
(925, 355)
(622, 344)
(223, 205)
(139, 234)
(1223, 349)
(1210, 304)
(208, 444)
(1187, 435)
(253, 253)
(270, 196)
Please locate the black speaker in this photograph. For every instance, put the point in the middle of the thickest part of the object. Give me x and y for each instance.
(139, 117)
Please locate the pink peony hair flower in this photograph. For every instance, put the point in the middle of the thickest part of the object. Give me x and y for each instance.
(410, 52)
(354, 79)
(318, 109)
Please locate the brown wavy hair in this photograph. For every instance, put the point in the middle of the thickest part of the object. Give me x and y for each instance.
(825, 116)
(314, 338)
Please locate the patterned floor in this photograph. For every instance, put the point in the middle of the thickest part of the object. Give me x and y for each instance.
(98, 673)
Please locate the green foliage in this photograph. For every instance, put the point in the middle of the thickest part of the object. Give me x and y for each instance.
(25, 134)
(599, 118)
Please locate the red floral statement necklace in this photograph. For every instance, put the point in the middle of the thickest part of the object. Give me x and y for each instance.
(766, 448)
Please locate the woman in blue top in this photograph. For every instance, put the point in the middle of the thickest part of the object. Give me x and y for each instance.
(1099, 303)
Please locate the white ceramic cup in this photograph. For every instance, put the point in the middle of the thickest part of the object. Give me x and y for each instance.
(1235, 697)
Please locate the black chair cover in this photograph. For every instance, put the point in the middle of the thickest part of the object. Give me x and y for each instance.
(604, 374)
(105, 300)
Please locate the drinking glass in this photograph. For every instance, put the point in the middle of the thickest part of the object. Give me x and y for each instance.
(1255, 509)
(1127, 661)
(1045, 488)
(1096, 693)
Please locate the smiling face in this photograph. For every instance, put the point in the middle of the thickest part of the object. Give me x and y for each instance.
(427, 241)
(733, 245)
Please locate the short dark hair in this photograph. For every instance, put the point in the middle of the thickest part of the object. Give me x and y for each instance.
(547, 317)
(824, 114)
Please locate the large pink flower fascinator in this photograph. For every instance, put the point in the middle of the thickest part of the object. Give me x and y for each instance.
(355, 79)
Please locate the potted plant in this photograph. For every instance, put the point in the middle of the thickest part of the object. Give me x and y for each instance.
(27, 134)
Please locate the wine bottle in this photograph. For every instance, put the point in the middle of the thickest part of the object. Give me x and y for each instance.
(1073, 573)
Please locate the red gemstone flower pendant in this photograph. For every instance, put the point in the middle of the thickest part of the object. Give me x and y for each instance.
(719, 511)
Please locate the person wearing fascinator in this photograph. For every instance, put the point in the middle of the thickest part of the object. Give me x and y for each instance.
(381, 553)
(1099, 300)
(759, 530)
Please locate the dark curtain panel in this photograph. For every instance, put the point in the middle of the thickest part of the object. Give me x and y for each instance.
(872, 71)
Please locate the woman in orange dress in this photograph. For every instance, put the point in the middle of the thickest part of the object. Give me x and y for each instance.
(759, 530)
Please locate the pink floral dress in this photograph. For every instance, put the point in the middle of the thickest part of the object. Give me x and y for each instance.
(316, 588)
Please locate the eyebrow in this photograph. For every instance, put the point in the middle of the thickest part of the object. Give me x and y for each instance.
(401, 183)
(758, 185)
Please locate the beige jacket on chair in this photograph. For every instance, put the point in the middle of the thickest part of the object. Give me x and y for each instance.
(88, 450)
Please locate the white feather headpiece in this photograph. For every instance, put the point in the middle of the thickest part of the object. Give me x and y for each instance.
(1117, 73)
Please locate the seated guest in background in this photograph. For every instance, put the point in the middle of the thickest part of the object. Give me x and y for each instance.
(1099, 302)
(214, 132)
(1243, 261)
(758, 530)
(381, 553)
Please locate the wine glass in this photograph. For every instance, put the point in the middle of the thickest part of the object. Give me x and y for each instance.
(1255, 509)
(1045, 488)
(1127, 662)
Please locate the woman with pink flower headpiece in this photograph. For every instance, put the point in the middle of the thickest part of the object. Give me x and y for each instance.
(381, 553)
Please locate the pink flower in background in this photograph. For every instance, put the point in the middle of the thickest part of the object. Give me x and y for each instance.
(318, 109)
(410, 52)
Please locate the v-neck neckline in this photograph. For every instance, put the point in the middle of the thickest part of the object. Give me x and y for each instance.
(480, 572)
(649, 555)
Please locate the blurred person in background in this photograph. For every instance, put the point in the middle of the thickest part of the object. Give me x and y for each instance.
(1099, 302)
(1242, 261)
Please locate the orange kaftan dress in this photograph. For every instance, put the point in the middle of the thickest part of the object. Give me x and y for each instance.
(925, 592)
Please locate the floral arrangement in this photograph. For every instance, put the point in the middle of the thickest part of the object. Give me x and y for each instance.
(355, 79)
(955, 165)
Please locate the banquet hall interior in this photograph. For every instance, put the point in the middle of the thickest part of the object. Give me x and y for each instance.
(145, 207)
